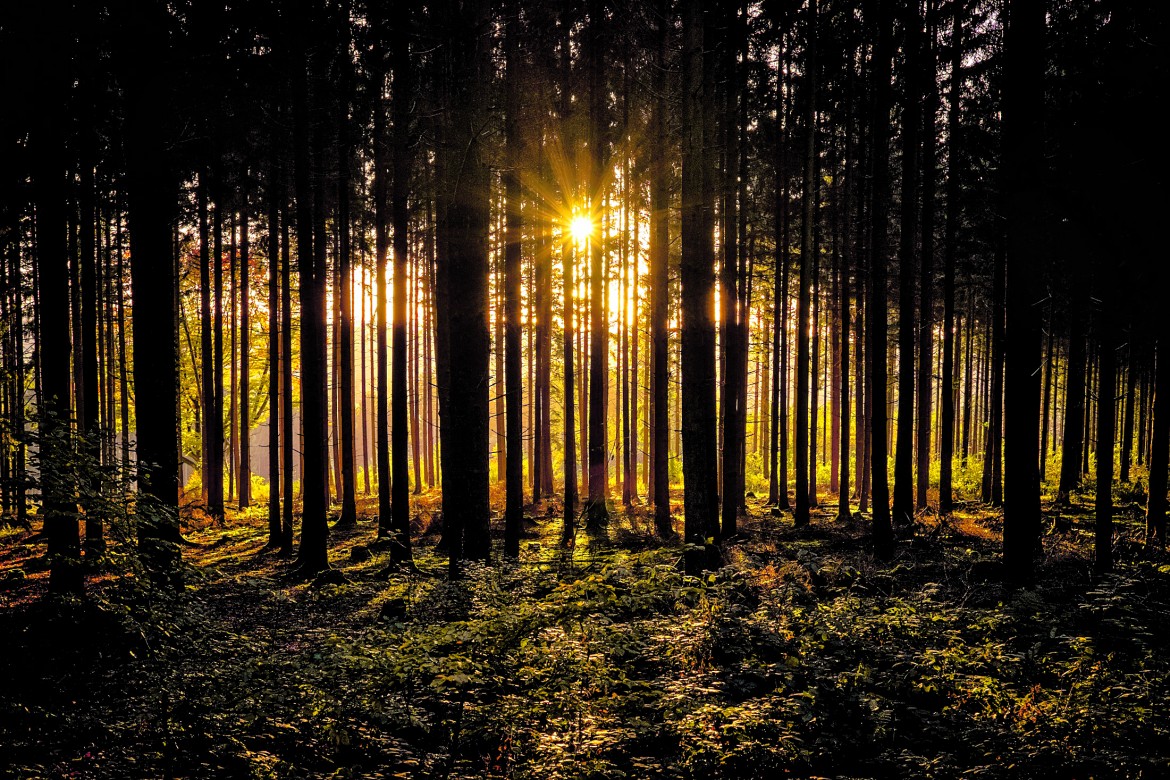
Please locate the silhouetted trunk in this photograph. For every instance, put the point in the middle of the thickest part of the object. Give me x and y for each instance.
(313, 552)
(597, 514)
(700, 497)
(151, 198)
(1103, 523)
(513, 382)
(659, 287)
(48, 163)
(903, 509)
(400, 550)
(950, 256)
(1160, 440)
(274, 356)
(381, 251)
(468, 195)
(244, 477)
(807, 265)
(1126, 455)
(733, 398)
(876, 347)
(926, 272)
(343, 353)
(1023, 156)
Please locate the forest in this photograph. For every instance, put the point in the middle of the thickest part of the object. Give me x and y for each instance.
(584, 389)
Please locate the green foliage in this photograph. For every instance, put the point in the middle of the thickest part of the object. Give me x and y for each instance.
(800, 657)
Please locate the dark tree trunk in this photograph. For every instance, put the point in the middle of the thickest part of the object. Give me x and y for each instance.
(274, 352)
(903, 509)
(513, 382)
(151, 198)
(244, 477)
(313, 554)
(597, 513)
(468, 200)
(1126, 454)
(1023, 155)
(381, 251)
(807, 264)
(950, 251)
(700, 496)
(876, 315)
(400, 550)
(48, 159)
(343, 353)
(659, 288)
(1106, 420)
(926, 269)
(730, 292)
(1160, 440)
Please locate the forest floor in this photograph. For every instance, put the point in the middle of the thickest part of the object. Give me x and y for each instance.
(802, 657)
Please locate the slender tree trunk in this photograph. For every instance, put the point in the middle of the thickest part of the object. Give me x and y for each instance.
(876, 347)
(926, 268)
(597, 513)
(513, 382)
(245, 426)
(659, 287)
(950, 256)
(698, 331)
(274, 356)
(903, 509)
(343, 352)
(1159, 441)
(400, 549)
(807, 266)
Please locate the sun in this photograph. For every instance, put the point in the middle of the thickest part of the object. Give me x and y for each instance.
(580, 228)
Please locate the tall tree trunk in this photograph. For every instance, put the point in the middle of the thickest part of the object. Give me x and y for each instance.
(381, 251)
(343, 353)
(244, 477)
(903, 509)
(274, 356)
(876, 313)
(597, 513)
(513, 382)
(1160, 440)
(659, 287)
(1023, 155)
(807, 264)
(468, 193)
(700, 497)
(152, 199)
(48, 161)
(950, 256)
(926, 268)
(400, 549)
(313, 553)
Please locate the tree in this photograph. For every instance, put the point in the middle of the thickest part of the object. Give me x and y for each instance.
(903, 509)
(807, 263)
(659, 285)
(151, 200)
(1023, 155)
(313, 554)
(700, 491)
(513, 382)
(403, 93)
(597, 513)
(876, 347)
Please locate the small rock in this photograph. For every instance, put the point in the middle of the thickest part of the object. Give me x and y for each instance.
(359, 554)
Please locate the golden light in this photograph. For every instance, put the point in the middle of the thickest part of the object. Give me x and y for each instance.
(580, 228)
